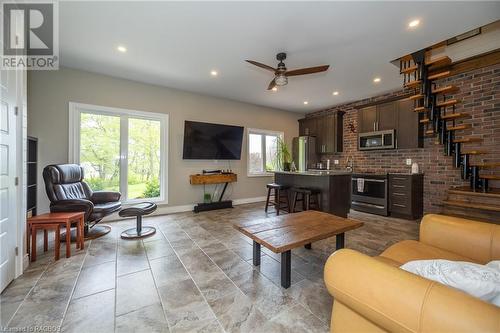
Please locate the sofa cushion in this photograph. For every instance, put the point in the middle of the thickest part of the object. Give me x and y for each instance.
(477, 280)
(409, 250)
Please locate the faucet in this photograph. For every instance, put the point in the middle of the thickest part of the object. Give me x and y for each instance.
(350, 163)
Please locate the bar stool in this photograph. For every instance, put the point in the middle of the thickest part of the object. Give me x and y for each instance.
(306, 194)
(278, 202)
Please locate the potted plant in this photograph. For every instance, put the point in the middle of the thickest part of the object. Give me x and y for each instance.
(283, 156)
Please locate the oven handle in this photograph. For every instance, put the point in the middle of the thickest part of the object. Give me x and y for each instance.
(371, 180)
(367, 204)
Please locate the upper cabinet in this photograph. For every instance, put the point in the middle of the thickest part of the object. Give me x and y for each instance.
(328, 131)
(397, 115)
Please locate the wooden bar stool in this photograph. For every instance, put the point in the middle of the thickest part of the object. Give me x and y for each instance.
(280, 191)
(306, 194)
(63, 218)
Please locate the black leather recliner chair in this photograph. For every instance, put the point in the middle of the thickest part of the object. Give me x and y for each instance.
(68, 192)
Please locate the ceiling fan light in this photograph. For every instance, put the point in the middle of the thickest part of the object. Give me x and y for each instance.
(281, 80)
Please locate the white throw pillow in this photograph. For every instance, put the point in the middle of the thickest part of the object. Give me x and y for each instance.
(482, 281)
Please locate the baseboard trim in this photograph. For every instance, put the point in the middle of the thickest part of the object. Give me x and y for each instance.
(164, 210)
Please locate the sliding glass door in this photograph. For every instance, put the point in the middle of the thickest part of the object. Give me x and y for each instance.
(121, 150)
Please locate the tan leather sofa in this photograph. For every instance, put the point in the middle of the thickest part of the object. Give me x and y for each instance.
(372, 294)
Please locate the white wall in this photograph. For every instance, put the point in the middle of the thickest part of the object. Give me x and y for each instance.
(49, 93)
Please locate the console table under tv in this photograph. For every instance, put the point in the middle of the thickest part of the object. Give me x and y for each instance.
(210, 179)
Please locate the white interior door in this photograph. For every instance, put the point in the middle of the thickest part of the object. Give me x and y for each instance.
(8, 172)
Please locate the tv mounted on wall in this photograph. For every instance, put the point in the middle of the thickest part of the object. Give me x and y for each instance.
(205, 141)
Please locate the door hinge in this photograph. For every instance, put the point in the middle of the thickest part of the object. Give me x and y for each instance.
(16, 110)
(16, 181)
(17, 251)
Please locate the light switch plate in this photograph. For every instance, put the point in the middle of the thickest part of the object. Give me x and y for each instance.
(336, 162)
(408, 161)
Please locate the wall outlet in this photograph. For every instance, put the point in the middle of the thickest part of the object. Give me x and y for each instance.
(408, 161)
(336, 162)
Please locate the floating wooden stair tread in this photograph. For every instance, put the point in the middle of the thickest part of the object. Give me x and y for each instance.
(469, 139)
(490, 177)
(467, 191)
(458, 127)
(447, 103)
(412, 83)
(444, 90)
(474, 152)
(420, 109)
(439, 75)
(424, 121)
(466, 204)
(439, 62)
(409, 69)
(414, 97)
(430, 132)
(451, 116)
(486, 164)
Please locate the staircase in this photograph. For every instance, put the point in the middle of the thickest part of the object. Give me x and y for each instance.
(437, 113)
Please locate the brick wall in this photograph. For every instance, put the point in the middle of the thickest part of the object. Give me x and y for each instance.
(479, 95)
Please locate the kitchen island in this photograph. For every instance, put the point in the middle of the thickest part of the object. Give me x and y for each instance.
(335, 187)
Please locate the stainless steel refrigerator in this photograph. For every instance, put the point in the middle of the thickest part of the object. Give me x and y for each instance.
(304, 152)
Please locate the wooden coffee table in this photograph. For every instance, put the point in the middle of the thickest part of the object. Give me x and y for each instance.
(283, 233)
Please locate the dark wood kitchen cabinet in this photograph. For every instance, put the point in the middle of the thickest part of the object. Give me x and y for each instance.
(367, 119)
(328, 131)
(406, 195)
(307, 126)
(397, 115)
(379, 117)
(409, 133)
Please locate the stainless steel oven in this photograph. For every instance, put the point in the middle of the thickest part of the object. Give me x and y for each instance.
(369, 193)
(377, 140)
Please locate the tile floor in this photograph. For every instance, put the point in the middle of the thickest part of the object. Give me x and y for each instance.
(194, 275)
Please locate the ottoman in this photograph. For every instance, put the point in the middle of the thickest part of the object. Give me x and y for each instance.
(138, 211)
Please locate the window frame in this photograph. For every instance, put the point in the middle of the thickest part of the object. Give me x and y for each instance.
(75, 110)
(263, 133)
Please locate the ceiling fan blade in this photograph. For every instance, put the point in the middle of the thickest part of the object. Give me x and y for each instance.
(309, 70)
(258, 64)
(271, 85)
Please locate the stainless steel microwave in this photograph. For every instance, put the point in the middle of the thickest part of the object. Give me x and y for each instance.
(377, 140)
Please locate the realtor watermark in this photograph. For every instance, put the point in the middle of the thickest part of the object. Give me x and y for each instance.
(30, 35)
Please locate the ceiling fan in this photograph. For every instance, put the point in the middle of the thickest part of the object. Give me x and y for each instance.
(281, 74)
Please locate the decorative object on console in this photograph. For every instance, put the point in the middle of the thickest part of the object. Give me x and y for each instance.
(68, 192)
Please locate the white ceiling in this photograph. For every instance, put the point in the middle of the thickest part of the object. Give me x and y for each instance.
(177, 44)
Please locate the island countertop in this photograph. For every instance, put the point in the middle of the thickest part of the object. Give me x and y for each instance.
(334, 186)
(314, 173)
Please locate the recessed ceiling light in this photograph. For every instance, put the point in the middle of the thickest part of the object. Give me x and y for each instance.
(414, 24)
(335, 93)
(214, 73)
(122, 49)
(274, 89)
(306, 102)
(376, 80)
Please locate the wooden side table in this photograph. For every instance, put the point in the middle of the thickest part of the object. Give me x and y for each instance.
(64, 218)
(45, 227)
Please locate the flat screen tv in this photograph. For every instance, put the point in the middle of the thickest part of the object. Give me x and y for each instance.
(205, 141)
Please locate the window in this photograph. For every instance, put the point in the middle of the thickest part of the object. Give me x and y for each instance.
(262, 147)
(120, 150)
